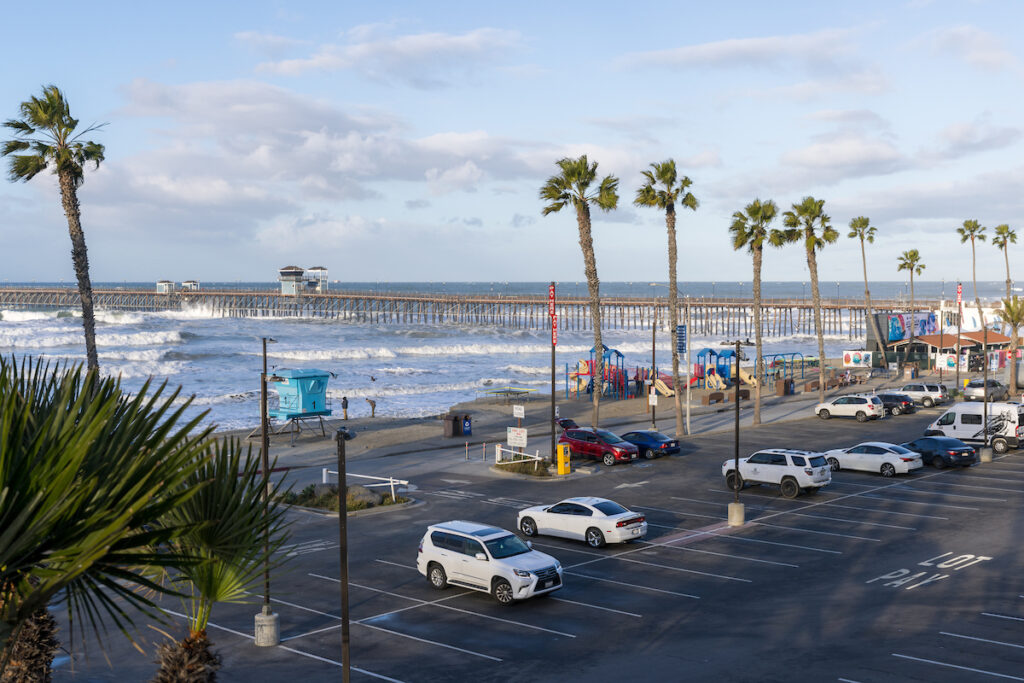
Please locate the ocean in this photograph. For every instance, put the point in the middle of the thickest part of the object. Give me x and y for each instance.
(409, 370)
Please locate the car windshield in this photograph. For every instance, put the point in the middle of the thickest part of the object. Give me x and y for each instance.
(607, 436)
(975, 383)
(818, 461)
(609, 508)
(900, 449)
(506, 546)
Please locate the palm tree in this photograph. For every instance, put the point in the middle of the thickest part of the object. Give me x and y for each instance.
(750, 229)
(1005, 235)
(911, 261)
(47, 129)
(1013, 316)
(664, 174)
(572, 185)
(861, 228)
(227, 527)
(86, 472)
(809, 221)
(975, 232)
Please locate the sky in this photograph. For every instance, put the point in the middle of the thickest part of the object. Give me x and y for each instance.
(408, 141)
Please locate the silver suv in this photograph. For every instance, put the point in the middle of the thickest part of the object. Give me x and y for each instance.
(793, 471)
(486, 559)
(975, 391)
(927, 394)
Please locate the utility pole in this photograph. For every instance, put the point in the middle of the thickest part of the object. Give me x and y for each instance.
(343, 552)
(554, 342)
(267, 627)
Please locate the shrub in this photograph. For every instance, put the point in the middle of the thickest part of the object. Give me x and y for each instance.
(531, 467)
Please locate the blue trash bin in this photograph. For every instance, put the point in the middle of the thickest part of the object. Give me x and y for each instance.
(467, 425)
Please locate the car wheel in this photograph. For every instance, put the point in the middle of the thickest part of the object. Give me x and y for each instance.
(733, 481)
(502, 592)
(608, 459)
(1000, 445)
(862, 416)
(648, 453)
(834, 464)
(528, 526)
(888, 470)
(435, 574)
(937, 462)
(895, 411)
(824, 414)
(927, 402)
(789, 488)
(595, 539)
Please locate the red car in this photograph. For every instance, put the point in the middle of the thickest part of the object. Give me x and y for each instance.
(599, 444)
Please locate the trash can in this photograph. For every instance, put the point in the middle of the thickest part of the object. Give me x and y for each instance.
(467, 425)
(449, 426)
(784, 387)
(563, 458)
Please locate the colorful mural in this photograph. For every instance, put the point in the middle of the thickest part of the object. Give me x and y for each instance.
(900, 325)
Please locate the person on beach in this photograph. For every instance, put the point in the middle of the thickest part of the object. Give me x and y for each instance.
(373, 407)
(344, 407)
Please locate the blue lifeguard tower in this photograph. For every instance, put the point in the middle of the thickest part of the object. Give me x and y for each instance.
(302, 395)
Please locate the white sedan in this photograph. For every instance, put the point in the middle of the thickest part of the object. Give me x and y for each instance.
(594, 520)
(887, 459)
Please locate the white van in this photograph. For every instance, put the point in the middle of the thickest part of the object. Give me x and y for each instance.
(963, 421)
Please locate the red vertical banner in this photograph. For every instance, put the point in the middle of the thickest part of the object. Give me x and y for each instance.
(959, 294)
(554, 330)
(554, 316)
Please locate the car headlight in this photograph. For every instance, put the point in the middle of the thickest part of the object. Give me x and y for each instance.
(522, 573)
(558, 566)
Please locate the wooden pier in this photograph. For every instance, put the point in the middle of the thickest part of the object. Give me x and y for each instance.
(728, 317)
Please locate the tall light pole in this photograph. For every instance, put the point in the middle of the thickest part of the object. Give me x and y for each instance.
(267, 627)
(736, 514)
(343, 551)
(654, 368)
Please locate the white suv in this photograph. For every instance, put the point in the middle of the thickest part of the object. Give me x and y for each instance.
(793, 471)
(863, 408)
(927, 394)
(486, 559)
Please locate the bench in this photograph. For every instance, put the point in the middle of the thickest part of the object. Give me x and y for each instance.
(713, 397)
(744, 394)
(811, 386)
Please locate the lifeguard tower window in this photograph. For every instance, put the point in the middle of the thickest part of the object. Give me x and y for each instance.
(302, 395)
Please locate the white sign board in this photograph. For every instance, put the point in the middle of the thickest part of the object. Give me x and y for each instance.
(518, 411)
(857, 359)
(517, 437)
(652, 398)
(556, 411)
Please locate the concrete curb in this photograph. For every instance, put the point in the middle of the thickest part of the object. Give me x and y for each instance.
(575, 474)
(375, 510)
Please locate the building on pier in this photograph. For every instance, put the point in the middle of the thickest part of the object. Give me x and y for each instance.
(316, 279)
(190, 286)
(164, 287)
(292, 280)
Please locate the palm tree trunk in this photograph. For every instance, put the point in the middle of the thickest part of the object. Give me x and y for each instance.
(594, 289)
(867, 303)
(673, 315)
(913, 312)
(984, 344)
(812, 265)
(1006, 255)
(758, 362)
(80, 259)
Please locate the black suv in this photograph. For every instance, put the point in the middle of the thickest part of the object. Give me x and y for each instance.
(895, 404)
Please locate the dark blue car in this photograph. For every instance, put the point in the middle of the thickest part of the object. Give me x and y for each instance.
(651, 443)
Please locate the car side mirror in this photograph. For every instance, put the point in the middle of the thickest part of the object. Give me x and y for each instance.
(529, 544)
(481, 556)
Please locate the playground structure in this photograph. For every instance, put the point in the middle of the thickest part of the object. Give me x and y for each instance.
(615, 380)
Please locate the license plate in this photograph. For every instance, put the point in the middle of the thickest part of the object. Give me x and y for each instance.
(636, 532)
(549, 584)
(633, 456)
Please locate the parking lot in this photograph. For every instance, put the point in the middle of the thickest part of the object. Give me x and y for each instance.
(872, 579)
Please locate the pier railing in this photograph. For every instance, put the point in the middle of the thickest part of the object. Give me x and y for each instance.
(730, 316)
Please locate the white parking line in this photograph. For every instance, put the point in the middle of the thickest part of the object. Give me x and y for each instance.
(957, 666)
(814, 531)
(425, 603)
(910, 489)
(971, 476)
(677, 512)
(430, 642)
(853, 521)
(968, 486)
(886, 512)
(633, 585)
(850, 483)
(983, 640)
(734, 537)
(735, 557)
(395, 564)
(619, 556)
(916, 502)
(604, 609)
(289, 649)
(1001, 616)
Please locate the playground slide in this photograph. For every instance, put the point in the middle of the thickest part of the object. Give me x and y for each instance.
(694, 379)
(716, 383)
(747, 378)
(662, 388)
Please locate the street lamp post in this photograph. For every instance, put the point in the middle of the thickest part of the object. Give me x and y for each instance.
(736, 516)
(267, 626)
(654, 371)
(343, 551)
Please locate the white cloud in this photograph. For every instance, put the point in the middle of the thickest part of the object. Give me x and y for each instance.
(418, 60)
(464, 177)
(850, 117)
(978, 48)
(847, 154)
(316, 230)
(961, 139)
(268, 44)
